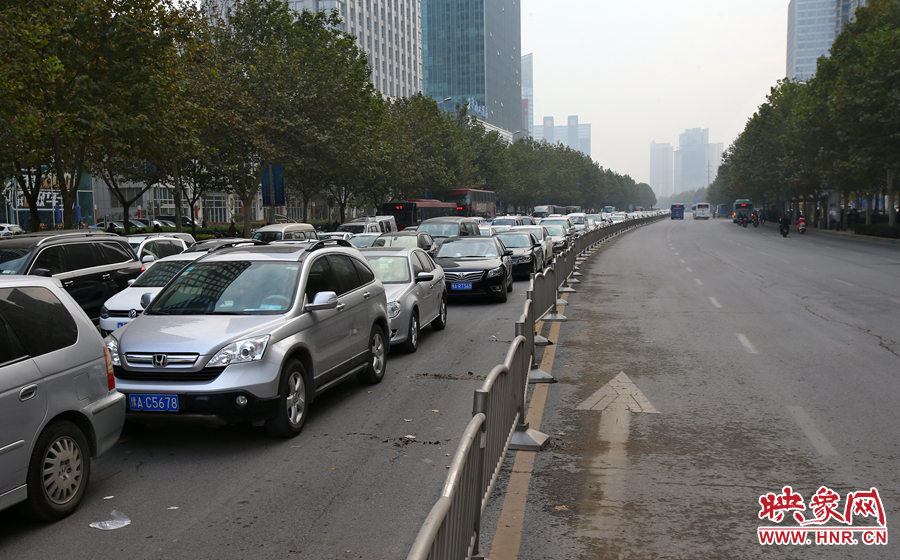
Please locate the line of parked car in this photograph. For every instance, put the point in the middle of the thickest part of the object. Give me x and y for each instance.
(231, 329)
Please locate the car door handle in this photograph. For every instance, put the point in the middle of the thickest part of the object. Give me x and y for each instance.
(27, 392)
(68, 283)
(340, 307)
(367, 294)
(105, 277)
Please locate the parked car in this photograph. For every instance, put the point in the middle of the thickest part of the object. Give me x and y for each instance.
(186, 221)
(528, 253)
(357, 228)
(508, 221)
(345, 235)
(58, 397)
(415, 291)
(254, 334)
(286, 232)
(558, 235)
(125, 306)
(476, 266)
(7, 230)
(449, 226)
(408, 238)
(92, 265)
(543, 235)
(159, 245)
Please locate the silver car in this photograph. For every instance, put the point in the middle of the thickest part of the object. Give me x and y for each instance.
(58, 397)
(415, 289)
(254, 334)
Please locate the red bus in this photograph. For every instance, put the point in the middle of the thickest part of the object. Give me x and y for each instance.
(473, 202)
(412, 211)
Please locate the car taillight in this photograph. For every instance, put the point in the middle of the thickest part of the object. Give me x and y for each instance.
(110, 374)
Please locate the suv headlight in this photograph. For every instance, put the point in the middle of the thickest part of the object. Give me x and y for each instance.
(113, 346)
(246, 350)
(494, 272)
(525, 258)
(104, 312)
(393, 309)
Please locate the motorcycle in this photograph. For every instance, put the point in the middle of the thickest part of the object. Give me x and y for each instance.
(785, 230)
(755, 222)
(744, 221)
(801, 227)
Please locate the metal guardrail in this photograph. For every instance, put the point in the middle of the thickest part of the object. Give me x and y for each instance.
(452, 528)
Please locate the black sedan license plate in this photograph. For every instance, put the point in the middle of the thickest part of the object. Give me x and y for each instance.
(153, 403)
(461, 286)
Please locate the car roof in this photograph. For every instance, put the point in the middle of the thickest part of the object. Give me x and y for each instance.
(468, 238)
(43, 237)
(282, 227)
(388, 250)
(446, 219)
(281, 251)
(19, 280)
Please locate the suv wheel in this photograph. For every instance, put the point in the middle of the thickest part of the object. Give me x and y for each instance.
(412, 338)
(374, 372)
(440, 321)
(293, 402)
(58, 473)
(509, 286)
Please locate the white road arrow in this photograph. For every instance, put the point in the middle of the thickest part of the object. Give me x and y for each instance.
(619, 394)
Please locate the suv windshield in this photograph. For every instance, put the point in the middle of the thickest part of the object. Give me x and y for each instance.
(440, 229)
(396, 241)
(267, 236)
(12, 258)
(159, 274)
(464, 249)
(554, 229)
(229, 288)
(353, 228)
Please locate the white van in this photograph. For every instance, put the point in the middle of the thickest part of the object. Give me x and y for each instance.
(701, 211)
(286, 232)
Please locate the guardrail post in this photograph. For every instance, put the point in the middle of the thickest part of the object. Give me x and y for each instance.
(535, 373)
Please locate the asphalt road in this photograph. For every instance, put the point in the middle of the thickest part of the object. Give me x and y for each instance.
(771, 362)
(351, 485)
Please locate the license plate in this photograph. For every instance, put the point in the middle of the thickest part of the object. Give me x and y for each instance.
(461, 286)
(118, 325)
(153, 403)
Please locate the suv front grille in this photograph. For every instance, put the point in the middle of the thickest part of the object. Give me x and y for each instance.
(205, 374)
(173, 360)
(466, 276)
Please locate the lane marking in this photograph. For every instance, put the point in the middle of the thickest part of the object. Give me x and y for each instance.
(747, 344)
(714, 302)
(620, 392)
(846, 283)
(676, 252)
(816, 437)
(508, 536)
(895, 300)
(688, 268)
(682, 260)
(761, 253)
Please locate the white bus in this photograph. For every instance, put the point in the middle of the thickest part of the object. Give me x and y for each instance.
(701, 211)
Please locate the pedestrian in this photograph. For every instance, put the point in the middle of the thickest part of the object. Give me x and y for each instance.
(111, 228)
(157, 228)
(335, 225)
(232, 231)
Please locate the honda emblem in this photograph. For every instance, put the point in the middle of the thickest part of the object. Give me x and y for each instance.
(159, 360)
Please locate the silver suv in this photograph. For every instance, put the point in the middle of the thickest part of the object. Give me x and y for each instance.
(254, 334)
(57, 396)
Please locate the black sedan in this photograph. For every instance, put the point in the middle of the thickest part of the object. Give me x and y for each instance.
(476, 266)
(528, 254)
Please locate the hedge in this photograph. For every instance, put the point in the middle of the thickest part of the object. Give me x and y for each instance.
(877, 230)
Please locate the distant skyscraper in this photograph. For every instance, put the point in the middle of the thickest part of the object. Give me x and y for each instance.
(812, 27)
(472, 51)
(527, 94)
(662, 169)
(714, 160)
(691, 159)
(389, 32)
(574, 135)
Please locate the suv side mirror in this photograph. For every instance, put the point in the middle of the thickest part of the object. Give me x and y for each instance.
(321, 301)
(41, 272)
(147, 258)
(424, 277)
(507, 253)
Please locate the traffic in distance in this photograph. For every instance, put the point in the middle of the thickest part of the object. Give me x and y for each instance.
(254, 330)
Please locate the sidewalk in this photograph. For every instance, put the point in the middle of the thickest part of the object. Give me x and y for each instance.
(838, 234)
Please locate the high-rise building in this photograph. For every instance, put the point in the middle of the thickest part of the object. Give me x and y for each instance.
(692, 160)
(812, 27)
(528, 94)
(572, 134)
(662, 169)
(471, 51)
(389, 31)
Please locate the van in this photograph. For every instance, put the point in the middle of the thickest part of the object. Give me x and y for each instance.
(701, 211)
(286, 232)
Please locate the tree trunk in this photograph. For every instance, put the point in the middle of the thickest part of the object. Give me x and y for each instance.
(891, 194)
(176, 199)
(870, 201)
(31, 193)
(845, 213)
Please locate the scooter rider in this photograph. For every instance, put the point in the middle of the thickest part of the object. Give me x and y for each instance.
(784, 222)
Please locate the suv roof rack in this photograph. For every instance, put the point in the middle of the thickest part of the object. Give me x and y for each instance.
(329, 242)
(75, 233)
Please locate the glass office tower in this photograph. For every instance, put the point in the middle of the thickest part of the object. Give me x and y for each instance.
(471, 51)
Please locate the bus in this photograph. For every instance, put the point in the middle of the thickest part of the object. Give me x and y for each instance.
(609, 209)
(701, 211)
(677, 212)
(473, 202)
(721, 211)
(412, 211)
(544, 211)
(742, 205)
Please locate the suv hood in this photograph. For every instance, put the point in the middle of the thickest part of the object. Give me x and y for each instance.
(200, 334)
(448, 263)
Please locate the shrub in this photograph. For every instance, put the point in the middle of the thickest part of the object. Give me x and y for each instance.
(877, 230)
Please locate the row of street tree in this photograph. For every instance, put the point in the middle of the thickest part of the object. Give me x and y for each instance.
(200, 99)
(838, 132)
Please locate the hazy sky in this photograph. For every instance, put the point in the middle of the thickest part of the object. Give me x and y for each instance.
(646, 70)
